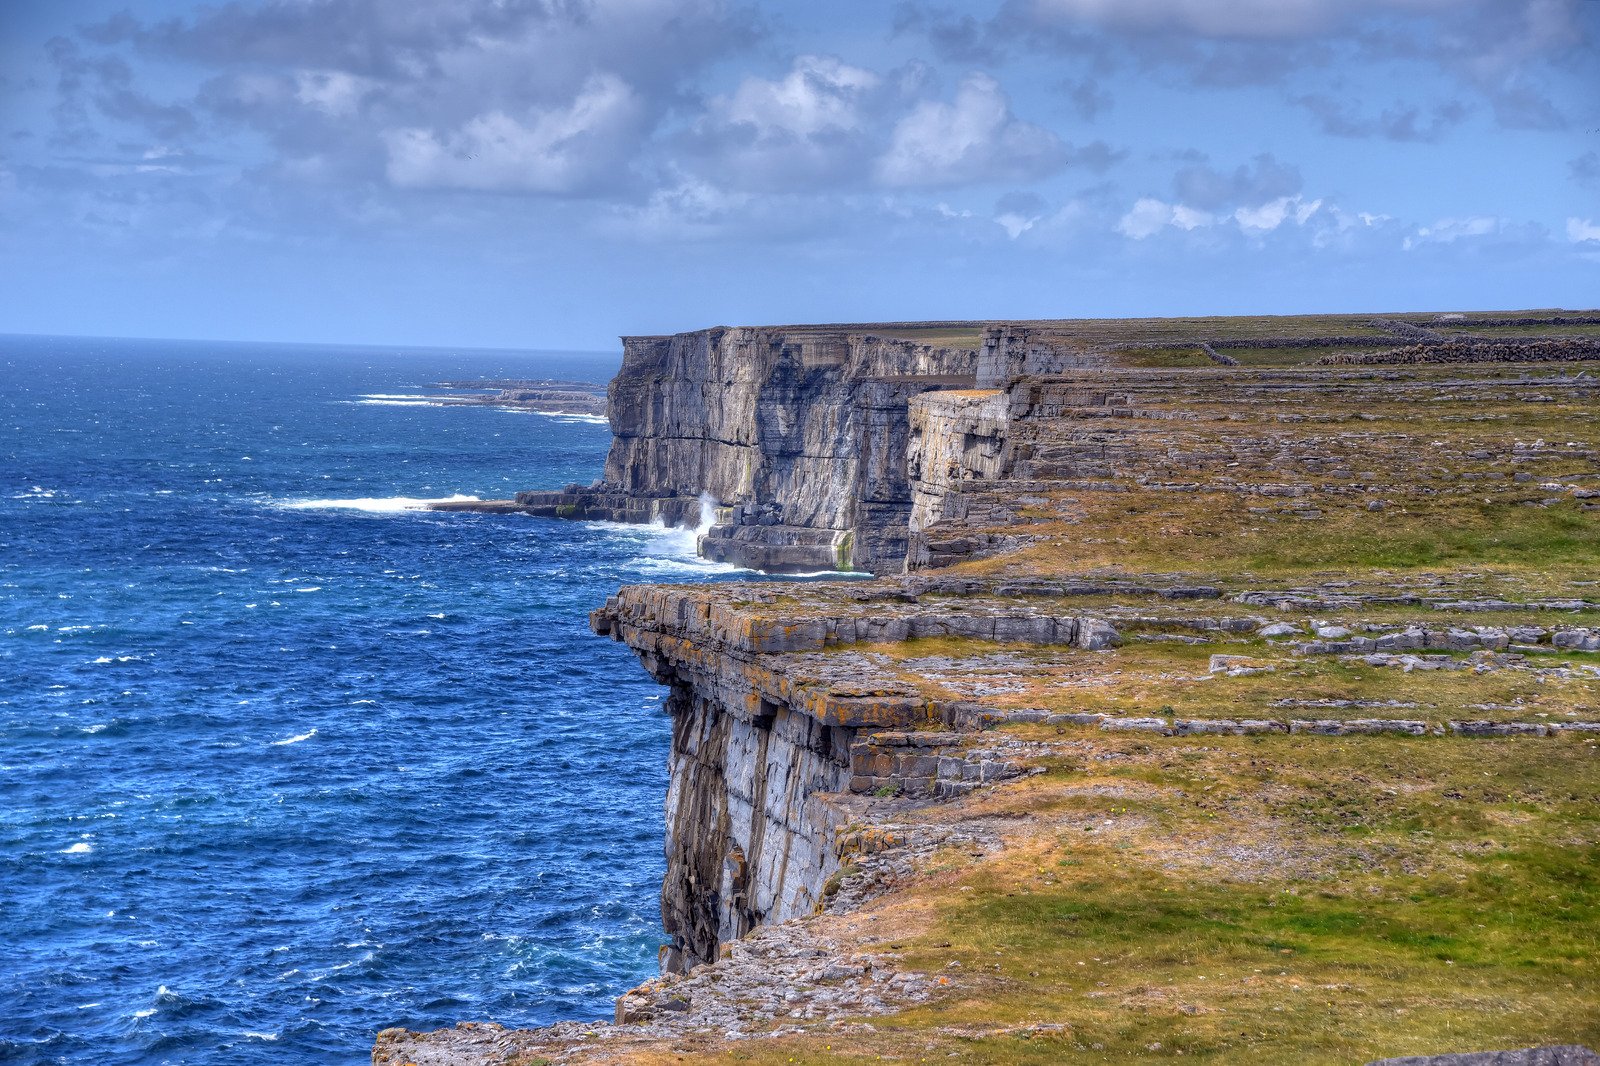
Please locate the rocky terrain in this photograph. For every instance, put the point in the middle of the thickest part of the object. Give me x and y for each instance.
(544, 397)
(1230, 688)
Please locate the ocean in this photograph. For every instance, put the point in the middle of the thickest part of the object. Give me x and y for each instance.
(283, 762)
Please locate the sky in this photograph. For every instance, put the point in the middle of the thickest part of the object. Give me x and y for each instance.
(554, 173)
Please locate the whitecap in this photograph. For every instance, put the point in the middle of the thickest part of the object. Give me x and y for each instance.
(414, 402)
(80, 848)
(144, 1013)
(310, 588)
(439, 616)
(658, 564)
(375, 504)
(37, 629)
(97, 727)
(260, 1036)
(86, 1006)
(391, 396)
(293, 740)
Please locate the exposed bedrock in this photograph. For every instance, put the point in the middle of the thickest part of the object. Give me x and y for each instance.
(749, 827)
(768, 746)
(796, 435)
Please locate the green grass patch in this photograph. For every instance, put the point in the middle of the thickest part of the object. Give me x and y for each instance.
(1492, 942)
(1162, 357)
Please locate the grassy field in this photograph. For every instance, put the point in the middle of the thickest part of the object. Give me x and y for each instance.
(1163, 357)
(1133, 332)
(941, 336)
(1544, 550)
(1279, 898)
(1536, 331)
(1263, 900)
(1171, 679)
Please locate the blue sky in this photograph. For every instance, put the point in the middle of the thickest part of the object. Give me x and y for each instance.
(553, 173)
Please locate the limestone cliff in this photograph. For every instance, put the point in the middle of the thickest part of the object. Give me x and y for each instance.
(766, 746)
(1212, 562)
(796, 435)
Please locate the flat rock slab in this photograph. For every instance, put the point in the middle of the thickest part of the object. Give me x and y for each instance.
(1565, 1055)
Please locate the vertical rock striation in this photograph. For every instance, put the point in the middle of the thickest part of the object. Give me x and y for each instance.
(771, 735)
(749, 828)
(797, 435)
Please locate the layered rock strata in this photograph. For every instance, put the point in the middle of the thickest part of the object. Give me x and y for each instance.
(763, 743)
(786, 444)
(808, 718)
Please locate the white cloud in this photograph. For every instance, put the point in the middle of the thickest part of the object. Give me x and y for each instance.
(1147, 218)
(1448, 230)
(974, 139)
(819, 94)
(560, 149)
(1274, 213)
(1014, 224)
(1582, 229)
(826, 123)
(332, 92)
(1186, 218)
(1258, 19)
(816, 125)
(1150, 216)
(689, 210)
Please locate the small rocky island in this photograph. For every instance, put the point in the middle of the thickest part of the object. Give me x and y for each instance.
(1229, 688)
(542, 397)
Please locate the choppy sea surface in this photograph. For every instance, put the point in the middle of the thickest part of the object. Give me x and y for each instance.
(283, 762)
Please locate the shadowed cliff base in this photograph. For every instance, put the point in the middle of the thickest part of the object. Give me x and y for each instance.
(1239, 708)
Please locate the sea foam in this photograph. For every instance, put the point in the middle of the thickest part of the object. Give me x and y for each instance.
(375, 504)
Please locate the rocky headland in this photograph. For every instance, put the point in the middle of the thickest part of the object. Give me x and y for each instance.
(1229, 688)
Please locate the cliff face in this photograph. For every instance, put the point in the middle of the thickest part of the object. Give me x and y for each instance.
(774, 732)
(1246, 609)
(796, 436)
(749, 839)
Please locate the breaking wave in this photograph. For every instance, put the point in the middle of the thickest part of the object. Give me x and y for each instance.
(375, 504)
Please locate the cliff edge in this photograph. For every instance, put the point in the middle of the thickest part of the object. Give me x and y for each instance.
(1231, 689)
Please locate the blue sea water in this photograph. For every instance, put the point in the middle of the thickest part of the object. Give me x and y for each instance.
(282, 764)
